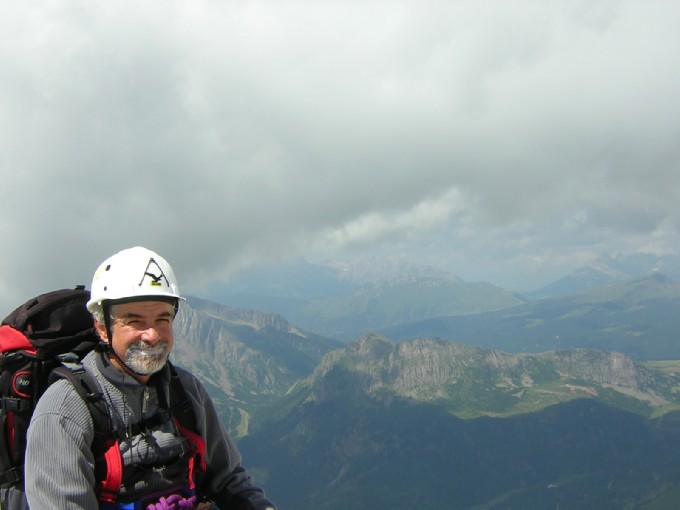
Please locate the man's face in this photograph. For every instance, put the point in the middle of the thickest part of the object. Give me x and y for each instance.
(142, 335)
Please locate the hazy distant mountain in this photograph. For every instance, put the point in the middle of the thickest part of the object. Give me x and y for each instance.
(305, 280)
(291, 281)
(609, 269)
(379, 305)
(366, 270)
(380, 425)
(640, 318)
(344, 300)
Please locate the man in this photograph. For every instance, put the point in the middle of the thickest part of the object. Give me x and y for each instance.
(134, 299)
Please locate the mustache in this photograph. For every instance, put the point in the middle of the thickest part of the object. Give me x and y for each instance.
(146, 346)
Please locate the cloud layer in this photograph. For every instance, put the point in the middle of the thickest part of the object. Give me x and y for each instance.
(505, 141)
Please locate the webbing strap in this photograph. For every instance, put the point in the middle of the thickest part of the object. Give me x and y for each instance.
(109, 487)
(10, 404)
(12, 476)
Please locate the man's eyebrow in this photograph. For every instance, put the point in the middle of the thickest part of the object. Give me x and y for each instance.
(133, 315)
(128, 315)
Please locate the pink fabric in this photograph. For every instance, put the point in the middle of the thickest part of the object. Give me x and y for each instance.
(174, 502)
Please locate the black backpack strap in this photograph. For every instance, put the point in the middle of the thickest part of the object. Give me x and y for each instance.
(185, 418)
(12, 476)
(180, 405)
(90, 391)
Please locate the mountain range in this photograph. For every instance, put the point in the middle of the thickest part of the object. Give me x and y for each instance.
(569, 401)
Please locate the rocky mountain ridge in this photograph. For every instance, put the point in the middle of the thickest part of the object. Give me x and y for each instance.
(471, 381)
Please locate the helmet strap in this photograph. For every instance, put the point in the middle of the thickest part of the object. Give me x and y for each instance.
(106, 309)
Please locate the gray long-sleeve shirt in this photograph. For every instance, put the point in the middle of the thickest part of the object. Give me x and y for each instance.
(60, 463)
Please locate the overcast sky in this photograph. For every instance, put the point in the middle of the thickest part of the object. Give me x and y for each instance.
(506, 141)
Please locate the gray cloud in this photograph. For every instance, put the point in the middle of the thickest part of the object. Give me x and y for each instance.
(508, 141)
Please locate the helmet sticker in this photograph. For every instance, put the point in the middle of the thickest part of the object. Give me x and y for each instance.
(155, 278)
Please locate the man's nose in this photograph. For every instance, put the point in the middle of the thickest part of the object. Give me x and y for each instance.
(151, 334)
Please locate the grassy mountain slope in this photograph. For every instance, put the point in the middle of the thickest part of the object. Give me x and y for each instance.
(639, 318)
(378, 305)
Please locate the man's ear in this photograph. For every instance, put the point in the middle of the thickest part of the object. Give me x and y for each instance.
(101, 330)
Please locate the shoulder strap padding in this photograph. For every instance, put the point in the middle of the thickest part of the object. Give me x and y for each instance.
(90, 391)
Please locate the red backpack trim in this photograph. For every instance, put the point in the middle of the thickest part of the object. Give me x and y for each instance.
(108, 489)
(14, 340)
(198, 444)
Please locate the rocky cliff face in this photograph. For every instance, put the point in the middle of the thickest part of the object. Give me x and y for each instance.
(246, 358)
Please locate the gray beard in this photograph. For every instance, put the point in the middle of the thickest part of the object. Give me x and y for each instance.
(141, 360)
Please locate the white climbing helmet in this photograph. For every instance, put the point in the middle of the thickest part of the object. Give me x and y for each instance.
(132, 274)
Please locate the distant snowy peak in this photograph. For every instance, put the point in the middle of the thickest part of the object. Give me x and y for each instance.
(603, 268)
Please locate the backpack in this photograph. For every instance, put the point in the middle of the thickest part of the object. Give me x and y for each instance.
(33, 340)
(45, 339)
